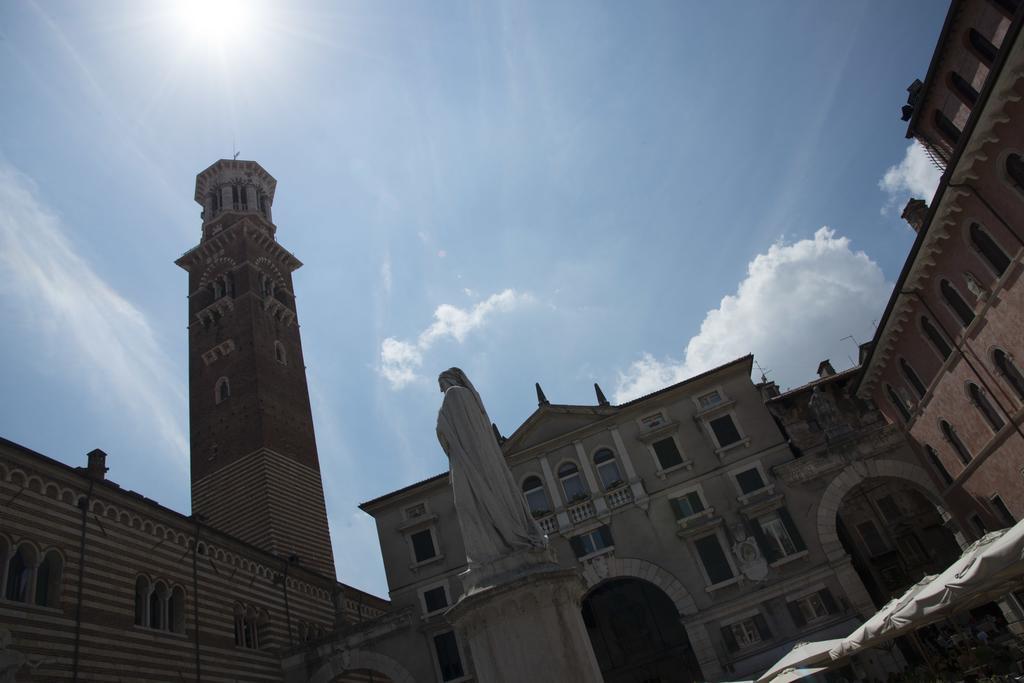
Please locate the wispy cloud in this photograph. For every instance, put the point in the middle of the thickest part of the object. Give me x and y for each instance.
(399, 360)
(793, 309)
(103, 338)
(915, 176)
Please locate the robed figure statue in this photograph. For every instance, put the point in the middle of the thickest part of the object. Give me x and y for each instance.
(492, 512)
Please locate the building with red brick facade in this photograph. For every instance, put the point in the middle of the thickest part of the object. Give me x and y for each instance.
(947, 359)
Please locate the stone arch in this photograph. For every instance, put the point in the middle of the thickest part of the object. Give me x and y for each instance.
(616, 567)
(854, 474)
(354, 660)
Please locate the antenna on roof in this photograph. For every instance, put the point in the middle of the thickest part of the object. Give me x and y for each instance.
(764, 373)
(234, 152)
(854, 340)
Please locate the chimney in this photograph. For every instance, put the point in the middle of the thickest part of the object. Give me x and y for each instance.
(97, 467)
(768, 389)
(915, 213)
(825, 369)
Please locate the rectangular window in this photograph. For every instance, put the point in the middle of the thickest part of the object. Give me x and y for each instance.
(592, 541)
(667, 452)
(713, 558)
(687, 506)
(725, 430)
(448, 659)
(712, 398)
(812, 607)
(750, 480)
(423, 545)
(653, 421)
(435, 599)
(872, 538)
(747, 633)
(890, 510)
(1002, 511)
(777, 536)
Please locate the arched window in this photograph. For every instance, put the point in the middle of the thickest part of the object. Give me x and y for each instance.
(988, 411)
(936, 339)
(937, 464)
(954, 440)
(963, 312)
(607, 468)
(1015, 169)
(157, 600)
(898, 402)
(946, 128)
(218, 288)
(572, 485)
(993, 254)
(280, 354)
(964, 90)
(536, 497)
(48, 576)
(1010, 371)
(912, 379)
(982, 47)
(235, 198)
(141, 601)
(222, 392)
(266, 285)
(19, 574)
(215, 202)
(176, 610)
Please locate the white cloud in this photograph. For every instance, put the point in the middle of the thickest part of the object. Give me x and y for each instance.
(401, 359)
(915, 176)
(792, 310)
(101, 336)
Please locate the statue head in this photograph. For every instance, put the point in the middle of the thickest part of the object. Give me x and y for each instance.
(452, 377)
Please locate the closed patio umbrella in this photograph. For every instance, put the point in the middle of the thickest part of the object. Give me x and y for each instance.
(801, 654)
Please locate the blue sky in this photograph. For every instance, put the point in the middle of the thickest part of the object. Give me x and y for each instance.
(559, 192)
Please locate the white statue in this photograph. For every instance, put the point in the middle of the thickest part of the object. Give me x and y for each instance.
(492, 512)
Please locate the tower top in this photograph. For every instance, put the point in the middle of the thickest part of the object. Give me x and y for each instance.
(227, 170)
(231, 189)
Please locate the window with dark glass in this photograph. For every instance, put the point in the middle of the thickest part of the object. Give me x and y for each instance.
(912, 379)
(750, 480)
(984, 406)
(18, 574)
(607, 468)
(954, 440)
(812, 607)
(687, 505)
(1015, 169)
(435, 599)
(725, 430)
(448, 659)
(933, 456)
(591, 541)
(963, 311)
(667, 452)
(1010, 372)
(423, 545)
(572, 484)
(713, 558)
(898, 402)
(964, 90)
(937, 340)
(982, 46)
(992, 252)
(978, 524)
(1002, 511)
(536, 497)
(947, 128)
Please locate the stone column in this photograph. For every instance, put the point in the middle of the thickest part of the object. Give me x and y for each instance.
(528, 630)
(226, 202)
(251, 198)
(556, 495)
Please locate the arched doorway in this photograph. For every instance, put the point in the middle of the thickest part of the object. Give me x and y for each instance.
(636, 634)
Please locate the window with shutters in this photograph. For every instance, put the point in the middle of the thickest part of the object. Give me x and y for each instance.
(424, 548)
(449, 659)
(592, 542)
(687, 505)
(777, 536)
(716, 565)
(812, 607)
(667, 453)
(746, 633)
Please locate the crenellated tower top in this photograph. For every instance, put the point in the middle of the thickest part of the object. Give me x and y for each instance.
(230, 189)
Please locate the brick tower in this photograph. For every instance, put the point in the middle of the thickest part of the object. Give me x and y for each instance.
(255, 470)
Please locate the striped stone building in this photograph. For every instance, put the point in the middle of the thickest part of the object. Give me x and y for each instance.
(103, 584)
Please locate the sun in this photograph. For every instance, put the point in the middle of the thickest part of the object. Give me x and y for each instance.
(215, 22)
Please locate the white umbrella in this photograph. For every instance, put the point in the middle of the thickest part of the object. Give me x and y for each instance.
(801, 654)
(795, 674)
(878, 628)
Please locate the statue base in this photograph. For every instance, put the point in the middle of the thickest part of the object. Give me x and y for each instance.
(528, 629)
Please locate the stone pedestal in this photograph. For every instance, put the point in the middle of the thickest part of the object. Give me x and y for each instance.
(528, 628)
